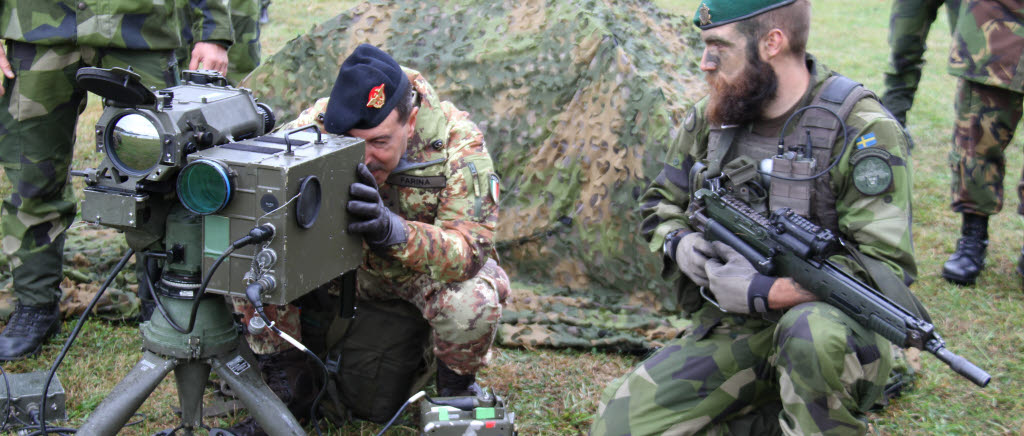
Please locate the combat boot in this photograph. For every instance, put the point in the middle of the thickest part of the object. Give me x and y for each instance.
(27, 330)
(292, 378)
(453, 384)
(966, 263)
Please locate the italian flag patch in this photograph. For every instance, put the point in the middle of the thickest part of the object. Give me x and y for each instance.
(495, 187)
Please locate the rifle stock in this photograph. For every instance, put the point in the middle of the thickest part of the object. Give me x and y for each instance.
(788, 245)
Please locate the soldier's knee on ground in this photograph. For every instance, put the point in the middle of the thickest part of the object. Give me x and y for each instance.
(465, 326)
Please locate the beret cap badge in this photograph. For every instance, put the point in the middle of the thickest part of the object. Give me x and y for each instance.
(377, 96)
(705, 14)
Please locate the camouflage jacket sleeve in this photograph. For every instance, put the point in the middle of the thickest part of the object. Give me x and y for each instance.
(663, 205)
(988, 43)
(211, 21)
(880, 224)
(457, 242)
(131, 24)
(310, 115)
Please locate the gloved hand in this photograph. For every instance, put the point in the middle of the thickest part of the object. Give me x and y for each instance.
(691, 253)
(380, 227)
(736, 285)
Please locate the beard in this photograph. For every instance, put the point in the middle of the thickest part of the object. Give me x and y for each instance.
(743, 101)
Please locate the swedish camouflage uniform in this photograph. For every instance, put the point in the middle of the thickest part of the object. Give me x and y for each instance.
(815, 371)
(244, 54)
(47, 42)
(447, 268)
(909, 24)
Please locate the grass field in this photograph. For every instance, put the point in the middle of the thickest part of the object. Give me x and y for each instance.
(555, 391)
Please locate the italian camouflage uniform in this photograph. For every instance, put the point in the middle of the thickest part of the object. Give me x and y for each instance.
(986, 54)
(909, 24)
(815, 371)
(244, 54)
(47, 42)
(448, 197)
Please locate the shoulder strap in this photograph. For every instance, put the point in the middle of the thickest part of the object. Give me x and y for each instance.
(719, 142)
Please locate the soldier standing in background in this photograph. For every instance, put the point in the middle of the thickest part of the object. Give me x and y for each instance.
(988, 47)
(244, 54)
(47, 41)
(909, 24)
(426, 206)
(768, 358)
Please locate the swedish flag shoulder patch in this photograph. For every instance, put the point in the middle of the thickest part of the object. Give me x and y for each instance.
(866, 141)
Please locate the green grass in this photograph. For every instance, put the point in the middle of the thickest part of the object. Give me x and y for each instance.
(556, 391)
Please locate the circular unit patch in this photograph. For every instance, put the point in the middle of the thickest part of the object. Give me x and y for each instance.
(872, 174)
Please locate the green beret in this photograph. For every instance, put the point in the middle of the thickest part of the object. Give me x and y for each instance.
(714, 13)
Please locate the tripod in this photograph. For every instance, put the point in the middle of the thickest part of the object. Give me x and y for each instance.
(213, 344)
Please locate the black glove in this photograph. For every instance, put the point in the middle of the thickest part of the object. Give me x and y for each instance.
(380, 227)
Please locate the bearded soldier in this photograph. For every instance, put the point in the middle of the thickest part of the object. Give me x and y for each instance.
(47, 41)
(767, 357)
(426, 207)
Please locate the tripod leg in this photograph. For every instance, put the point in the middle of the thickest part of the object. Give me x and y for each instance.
(129, 394)
(240, 371)
(190, 378)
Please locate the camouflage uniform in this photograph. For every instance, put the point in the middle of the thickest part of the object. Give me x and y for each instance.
(582, 98)
(47, 42)
(447, 267)
(814, 372)
(909, 24)
(244, 54)
(986, 55)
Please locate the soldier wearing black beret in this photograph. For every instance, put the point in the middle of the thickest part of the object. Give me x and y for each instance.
(426, 207)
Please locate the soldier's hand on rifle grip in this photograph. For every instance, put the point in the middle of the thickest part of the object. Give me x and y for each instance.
(736, 285)
(690, 253)
(380, 227)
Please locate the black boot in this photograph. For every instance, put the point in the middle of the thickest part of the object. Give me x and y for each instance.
(452, 384)
(968, 260)
(293, 379)
(27, 330)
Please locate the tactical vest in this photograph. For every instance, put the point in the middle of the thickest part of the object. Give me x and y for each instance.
(838, 94)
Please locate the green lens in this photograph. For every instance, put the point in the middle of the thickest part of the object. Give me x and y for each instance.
(204, 186)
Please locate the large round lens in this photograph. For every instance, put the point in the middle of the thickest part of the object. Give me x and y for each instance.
(134, 144)
(204, 186)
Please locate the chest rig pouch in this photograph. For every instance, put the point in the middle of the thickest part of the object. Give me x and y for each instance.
(799, 162)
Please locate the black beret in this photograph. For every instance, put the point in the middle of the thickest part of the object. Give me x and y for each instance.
(370, 84)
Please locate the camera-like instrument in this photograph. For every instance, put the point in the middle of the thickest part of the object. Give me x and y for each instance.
(212, 202)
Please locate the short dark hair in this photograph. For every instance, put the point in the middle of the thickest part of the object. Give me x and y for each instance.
(794, 19)
(405, 105)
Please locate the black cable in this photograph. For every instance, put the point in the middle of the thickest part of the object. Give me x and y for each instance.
(782, 135)
(256, 235)
(252, 292)
(74, 334)
(156, 298)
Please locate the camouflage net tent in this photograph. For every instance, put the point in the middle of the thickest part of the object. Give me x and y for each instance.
(578, 101)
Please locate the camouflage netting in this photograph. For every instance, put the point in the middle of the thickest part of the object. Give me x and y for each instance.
(578, 101)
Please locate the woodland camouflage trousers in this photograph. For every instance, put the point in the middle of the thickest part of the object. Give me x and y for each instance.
(986, 118)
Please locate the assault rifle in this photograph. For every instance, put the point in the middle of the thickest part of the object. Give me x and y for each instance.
(788, 245)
